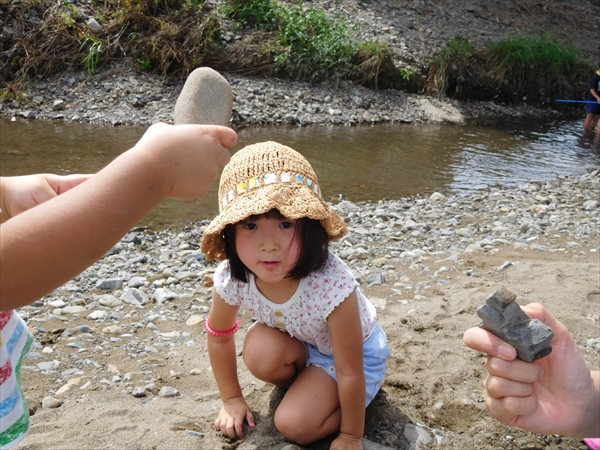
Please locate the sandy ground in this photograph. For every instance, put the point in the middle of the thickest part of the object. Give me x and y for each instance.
(429, 364)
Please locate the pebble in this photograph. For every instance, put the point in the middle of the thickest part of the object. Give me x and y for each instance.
(416, 436)
(51, 403)
(168, 392)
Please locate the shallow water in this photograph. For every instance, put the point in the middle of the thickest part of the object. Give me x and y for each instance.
(364, 163)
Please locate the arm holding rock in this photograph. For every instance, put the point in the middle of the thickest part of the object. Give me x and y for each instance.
(557, 394)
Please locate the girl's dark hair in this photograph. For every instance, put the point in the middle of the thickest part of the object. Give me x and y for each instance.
(313, 254)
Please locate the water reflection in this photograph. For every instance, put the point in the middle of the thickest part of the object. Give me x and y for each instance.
(359, 163)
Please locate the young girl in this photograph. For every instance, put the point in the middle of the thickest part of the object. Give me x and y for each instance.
(273, 232)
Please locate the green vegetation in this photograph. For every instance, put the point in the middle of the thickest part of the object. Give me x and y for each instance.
(307, 44)
(170, 37)
(524, 59)
(173, 37)
(94, 52)
(459, 50)
(285, 39)
(518, 66)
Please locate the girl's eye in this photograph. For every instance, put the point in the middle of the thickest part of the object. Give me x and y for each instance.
(250, 226)
(286, 225)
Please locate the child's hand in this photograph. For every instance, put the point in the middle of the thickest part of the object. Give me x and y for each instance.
(186, 158)
(231, 418)
(346, 442)
(553, 395)
(24, 192)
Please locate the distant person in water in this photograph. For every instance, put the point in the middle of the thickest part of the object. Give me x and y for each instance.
(593, 109)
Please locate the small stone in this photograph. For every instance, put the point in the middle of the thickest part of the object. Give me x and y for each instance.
(109, 301)
(168, 392)
(503, 317)
(58, 105)
(135, 297)
(98, 315)
(93, 25)
(138, 392)
(162, 295)
(112, 329)
(51, 403)
(109, 284)
(48, 365)
(437, 197)
(72, 310)
(195, 433)
(136, 282)
(505, 265)
(195, 319)
(416, 435)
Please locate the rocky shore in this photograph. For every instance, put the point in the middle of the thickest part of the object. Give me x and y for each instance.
(120, 356)
(123, 97)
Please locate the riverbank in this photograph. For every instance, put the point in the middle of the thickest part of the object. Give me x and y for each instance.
(121, 96)
(120, 356)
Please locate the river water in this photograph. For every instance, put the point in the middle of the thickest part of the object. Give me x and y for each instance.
(363, 163)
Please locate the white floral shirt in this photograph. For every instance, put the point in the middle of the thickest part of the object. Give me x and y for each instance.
(304, 315)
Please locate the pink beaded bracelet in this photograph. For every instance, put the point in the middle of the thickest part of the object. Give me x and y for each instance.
(209, 330)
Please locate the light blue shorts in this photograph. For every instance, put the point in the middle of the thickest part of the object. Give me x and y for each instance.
(376, 354)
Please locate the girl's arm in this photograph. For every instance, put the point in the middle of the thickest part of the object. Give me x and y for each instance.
(346, 330)
(223, 359)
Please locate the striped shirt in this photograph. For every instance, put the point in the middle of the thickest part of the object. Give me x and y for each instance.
(15, 341)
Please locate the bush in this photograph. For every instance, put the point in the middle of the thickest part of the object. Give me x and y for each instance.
(306, 44)
(537, 67)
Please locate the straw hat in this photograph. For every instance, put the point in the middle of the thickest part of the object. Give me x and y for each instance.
(267, 176)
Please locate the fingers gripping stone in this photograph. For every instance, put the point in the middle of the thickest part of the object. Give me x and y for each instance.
(206, 99)
(503, 316)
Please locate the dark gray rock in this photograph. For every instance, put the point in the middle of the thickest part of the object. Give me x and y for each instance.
(503, 316)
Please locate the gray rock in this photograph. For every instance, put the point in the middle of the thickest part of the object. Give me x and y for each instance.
(416, 435)
(93, 25)
(135, 297)
(109, 301)
(139, 392)
(167, 392)
(58, 105)
(136, 282)
(370, 445)
(109, 284)
(206, 98)
(502, 316)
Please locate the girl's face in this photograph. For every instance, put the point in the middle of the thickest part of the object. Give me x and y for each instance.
(268, 247)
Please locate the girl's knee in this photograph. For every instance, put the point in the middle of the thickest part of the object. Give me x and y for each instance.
(259, 354)
(293, 427)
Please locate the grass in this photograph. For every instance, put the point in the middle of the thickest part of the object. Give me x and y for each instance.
(459, 49)
(307, 44)
(173, 37)
(525, 59)
(536, 65)
(169, 37)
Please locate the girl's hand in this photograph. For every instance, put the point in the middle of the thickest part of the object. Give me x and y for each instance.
(231, 418)
(346, 442)
(186, 158)
(24, 192)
